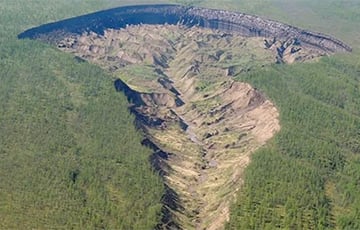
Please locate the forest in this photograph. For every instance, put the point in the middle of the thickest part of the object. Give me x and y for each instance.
(307, 177)
(71, 156)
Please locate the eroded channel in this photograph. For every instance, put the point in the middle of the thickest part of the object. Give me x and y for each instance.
(179, 75)
(202, 124)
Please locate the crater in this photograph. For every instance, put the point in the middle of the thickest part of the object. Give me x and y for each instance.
(177, 65)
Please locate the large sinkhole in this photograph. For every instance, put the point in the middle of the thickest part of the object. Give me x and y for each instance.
(178, 65)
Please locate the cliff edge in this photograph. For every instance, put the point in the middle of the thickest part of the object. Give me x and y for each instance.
(226, 21)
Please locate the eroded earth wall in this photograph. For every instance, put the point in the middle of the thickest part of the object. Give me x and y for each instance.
(177, 66)
(244, 24)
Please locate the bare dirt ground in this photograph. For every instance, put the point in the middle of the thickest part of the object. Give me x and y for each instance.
(210, 124)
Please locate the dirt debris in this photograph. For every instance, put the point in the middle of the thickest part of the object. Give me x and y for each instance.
(209, 135)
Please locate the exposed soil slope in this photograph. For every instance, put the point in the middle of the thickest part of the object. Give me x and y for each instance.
(201, 124)
(204, 124)
(234, 22)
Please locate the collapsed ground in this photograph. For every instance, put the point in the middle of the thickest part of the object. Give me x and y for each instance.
(202, 124)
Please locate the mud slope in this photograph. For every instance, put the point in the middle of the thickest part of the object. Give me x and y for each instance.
(178, 75)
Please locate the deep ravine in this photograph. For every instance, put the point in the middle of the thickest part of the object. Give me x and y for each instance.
(178, 65)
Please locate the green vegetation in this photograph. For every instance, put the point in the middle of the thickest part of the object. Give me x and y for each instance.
(70, 155)
(131, 74)
(307, 177)
(338, 18)
(287, 184)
